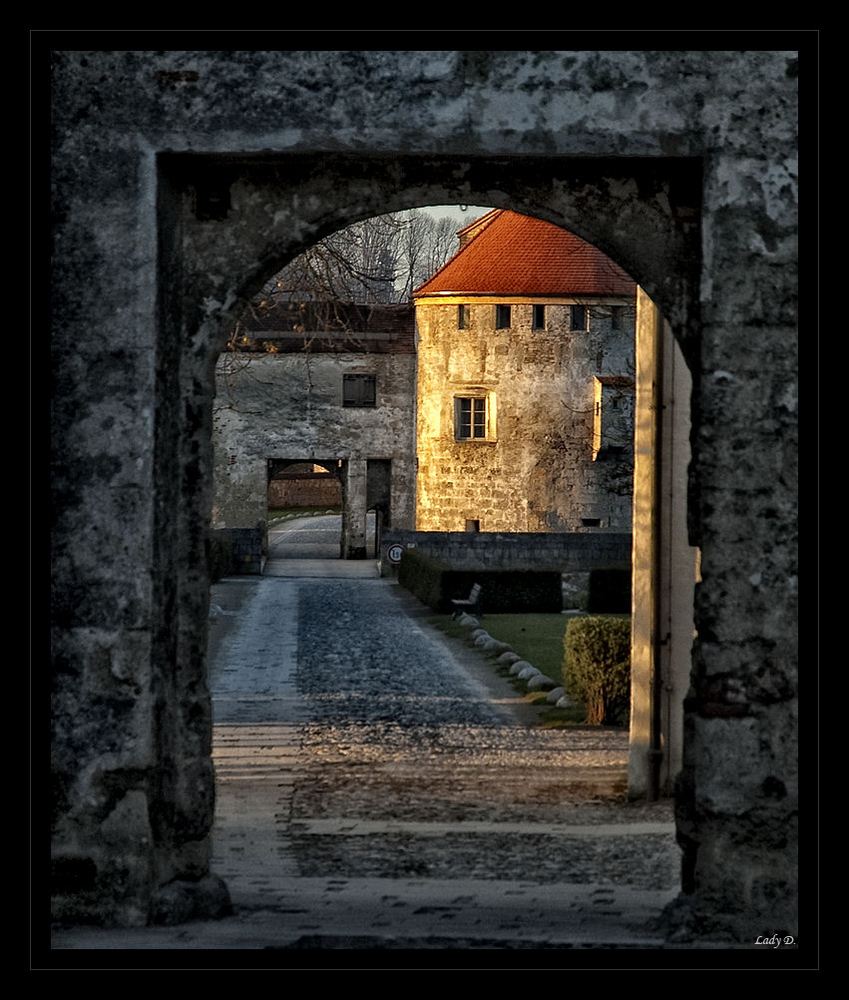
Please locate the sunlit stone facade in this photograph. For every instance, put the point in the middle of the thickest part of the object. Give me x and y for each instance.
(525, 384)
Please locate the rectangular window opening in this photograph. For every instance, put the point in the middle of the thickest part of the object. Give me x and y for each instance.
(359, 390)
(578, 317)
(502, 317)
(462, 317)
(539, 317)
(617, 317)
(470, 418)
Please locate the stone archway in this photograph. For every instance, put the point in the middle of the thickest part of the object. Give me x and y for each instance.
(644, 214)
(693, 193)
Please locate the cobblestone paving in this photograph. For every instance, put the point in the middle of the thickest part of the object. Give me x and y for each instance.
(378, 788)
(357, 754)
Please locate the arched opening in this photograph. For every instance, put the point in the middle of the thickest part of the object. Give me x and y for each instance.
(601, 209)
(157, 248)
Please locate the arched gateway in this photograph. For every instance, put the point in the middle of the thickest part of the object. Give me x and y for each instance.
(201, 192)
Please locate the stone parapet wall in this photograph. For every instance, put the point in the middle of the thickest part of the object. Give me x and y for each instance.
(565, 551)
(249, 548)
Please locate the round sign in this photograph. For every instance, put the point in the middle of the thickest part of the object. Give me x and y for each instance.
(394, 553)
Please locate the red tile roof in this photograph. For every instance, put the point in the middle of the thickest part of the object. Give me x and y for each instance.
(504, 253)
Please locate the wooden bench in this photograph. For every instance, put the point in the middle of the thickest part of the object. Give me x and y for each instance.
(470, 603)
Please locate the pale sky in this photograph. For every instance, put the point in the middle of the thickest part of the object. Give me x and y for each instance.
(453, 211)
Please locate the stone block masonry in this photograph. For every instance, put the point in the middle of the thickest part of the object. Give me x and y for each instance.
(468, 550)
(248, 546)
(529, 464)
(183, 180)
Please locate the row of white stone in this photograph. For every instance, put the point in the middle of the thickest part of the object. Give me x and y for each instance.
(305, 513)
(535, 679)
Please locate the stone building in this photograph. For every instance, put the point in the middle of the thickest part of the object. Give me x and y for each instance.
(204, 172)
(525, 383)
(298, 386)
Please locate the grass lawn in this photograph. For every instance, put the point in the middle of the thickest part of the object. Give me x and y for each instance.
(537, 638)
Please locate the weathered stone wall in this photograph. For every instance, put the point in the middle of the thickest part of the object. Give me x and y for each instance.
(290, 406)
(184, 179)
(534, 469)
(248, 548)
(564, 551)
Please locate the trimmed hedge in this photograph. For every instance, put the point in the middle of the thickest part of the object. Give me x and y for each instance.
(597, 667)
(421, 574)
(436, 584)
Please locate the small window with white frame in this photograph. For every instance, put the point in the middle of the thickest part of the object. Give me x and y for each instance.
(474, 417)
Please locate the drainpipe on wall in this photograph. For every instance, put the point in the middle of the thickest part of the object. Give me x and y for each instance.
(655, 751)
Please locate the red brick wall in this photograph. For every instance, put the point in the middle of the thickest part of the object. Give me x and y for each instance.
(309, 491)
